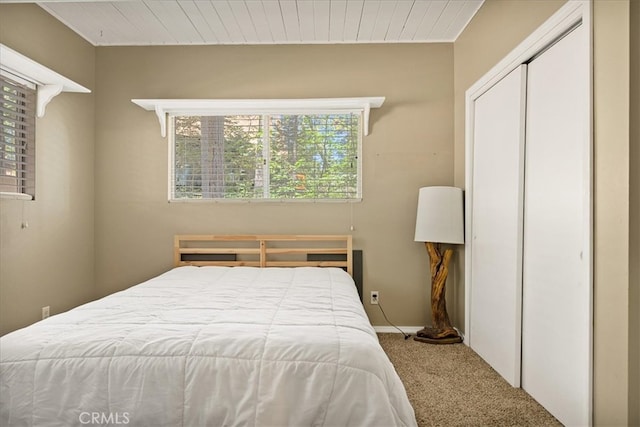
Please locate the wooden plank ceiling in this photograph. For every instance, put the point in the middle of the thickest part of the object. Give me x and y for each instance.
(182, 22)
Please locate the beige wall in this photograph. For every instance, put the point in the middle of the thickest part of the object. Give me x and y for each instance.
(611, 212)
(475, 52)
(51, 261)
(634, 221)
(410, 145)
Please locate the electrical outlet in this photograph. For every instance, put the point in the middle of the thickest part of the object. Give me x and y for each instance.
(45, 312)
(374, 297)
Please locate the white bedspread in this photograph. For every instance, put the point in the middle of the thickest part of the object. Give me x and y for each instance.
(213, 346)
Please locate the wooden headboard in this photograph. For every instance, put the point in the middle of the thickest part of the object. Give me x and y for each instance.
(264, 250)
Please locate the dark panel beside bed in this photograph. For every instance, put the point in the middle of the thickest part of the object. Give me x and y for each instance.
(208, 257)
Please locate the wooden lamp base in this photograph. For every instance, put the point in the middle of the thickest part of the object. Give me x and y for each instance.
(438, 336)
(441, 331)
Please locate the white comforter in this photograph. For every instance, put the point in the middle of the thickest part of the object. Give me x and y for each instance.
(213, 346)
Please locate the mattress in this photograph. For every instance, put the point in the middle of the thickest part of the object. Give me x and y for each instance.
(218, 346)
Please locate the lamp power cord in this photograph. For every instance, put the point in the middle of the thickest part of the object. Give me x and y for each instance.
(406, 335)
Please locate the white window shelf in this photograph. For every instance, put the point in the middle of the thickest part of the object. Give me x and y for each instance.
(49, 83)
(212, 107)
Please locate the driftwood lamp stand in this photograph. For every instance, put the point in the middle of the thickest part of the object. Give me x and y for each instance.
(439, 221)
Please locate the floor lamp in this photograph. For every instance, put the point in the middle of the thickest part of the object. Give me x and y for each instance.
(439, 221)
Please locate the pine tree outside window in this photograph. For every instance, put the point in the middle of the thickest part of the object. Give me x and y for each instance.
(266, 157)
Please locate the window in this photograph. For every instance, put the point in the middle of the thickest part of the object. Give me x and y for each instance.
(17, 145)
(266, 156)
(26, 88)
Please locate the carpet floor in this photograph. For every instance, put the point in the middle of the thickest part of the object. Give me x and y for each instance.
(450, 385)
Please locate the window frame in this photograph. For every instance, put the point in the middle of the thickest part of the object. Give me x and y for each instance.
(48, 84)
(267, 150)
(25, 127)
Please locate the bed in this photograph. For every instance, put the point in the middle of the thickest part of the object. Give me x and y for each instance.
(243, 331)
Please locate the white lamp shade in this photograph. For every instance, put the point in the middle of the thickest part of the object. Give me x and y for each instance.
(440, 215)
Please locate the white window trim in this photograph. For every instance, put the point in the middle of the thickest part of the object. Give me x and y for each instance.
(292, 111)
(221, 107)
(49, 83)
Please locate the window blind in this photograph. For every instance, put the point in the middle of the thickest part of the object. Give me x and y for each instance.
(17, 143)
(270, 156)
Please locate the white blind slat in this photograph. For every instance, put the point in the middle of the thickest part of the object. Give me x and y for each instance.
(18, 114)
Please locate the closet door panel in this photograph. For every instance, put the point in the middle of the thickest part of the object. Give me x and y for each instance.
(496, 227)
(556, 344)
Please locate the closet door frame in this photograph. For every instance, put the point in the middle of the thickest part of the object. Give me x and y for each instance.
(566, 18)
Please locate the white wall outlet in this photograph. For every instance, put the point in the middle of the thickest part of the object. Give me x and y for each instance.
(374, 297)
(45, 312)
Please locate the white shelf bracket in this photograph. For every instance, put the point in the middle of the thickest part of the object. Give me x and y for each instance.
(45, 94)
(49, 83)
(365, 114)
(162, 118)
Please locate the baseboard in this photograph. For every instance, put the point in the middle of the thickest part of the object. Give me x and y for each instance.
(392, 330)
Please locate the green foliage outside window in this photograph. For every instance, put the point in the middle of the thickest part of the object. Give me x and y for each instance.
(266, 157)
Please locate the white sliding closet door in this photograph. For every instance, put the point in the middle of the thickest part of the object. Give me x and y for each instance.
(556, 325)
(496, 263)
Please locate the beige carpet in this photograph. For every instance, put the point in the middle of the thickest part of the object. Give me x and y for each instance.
(450, 385)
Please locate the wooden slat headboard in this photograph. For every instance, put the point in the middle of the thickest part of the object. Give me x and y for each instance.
(263, 250)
